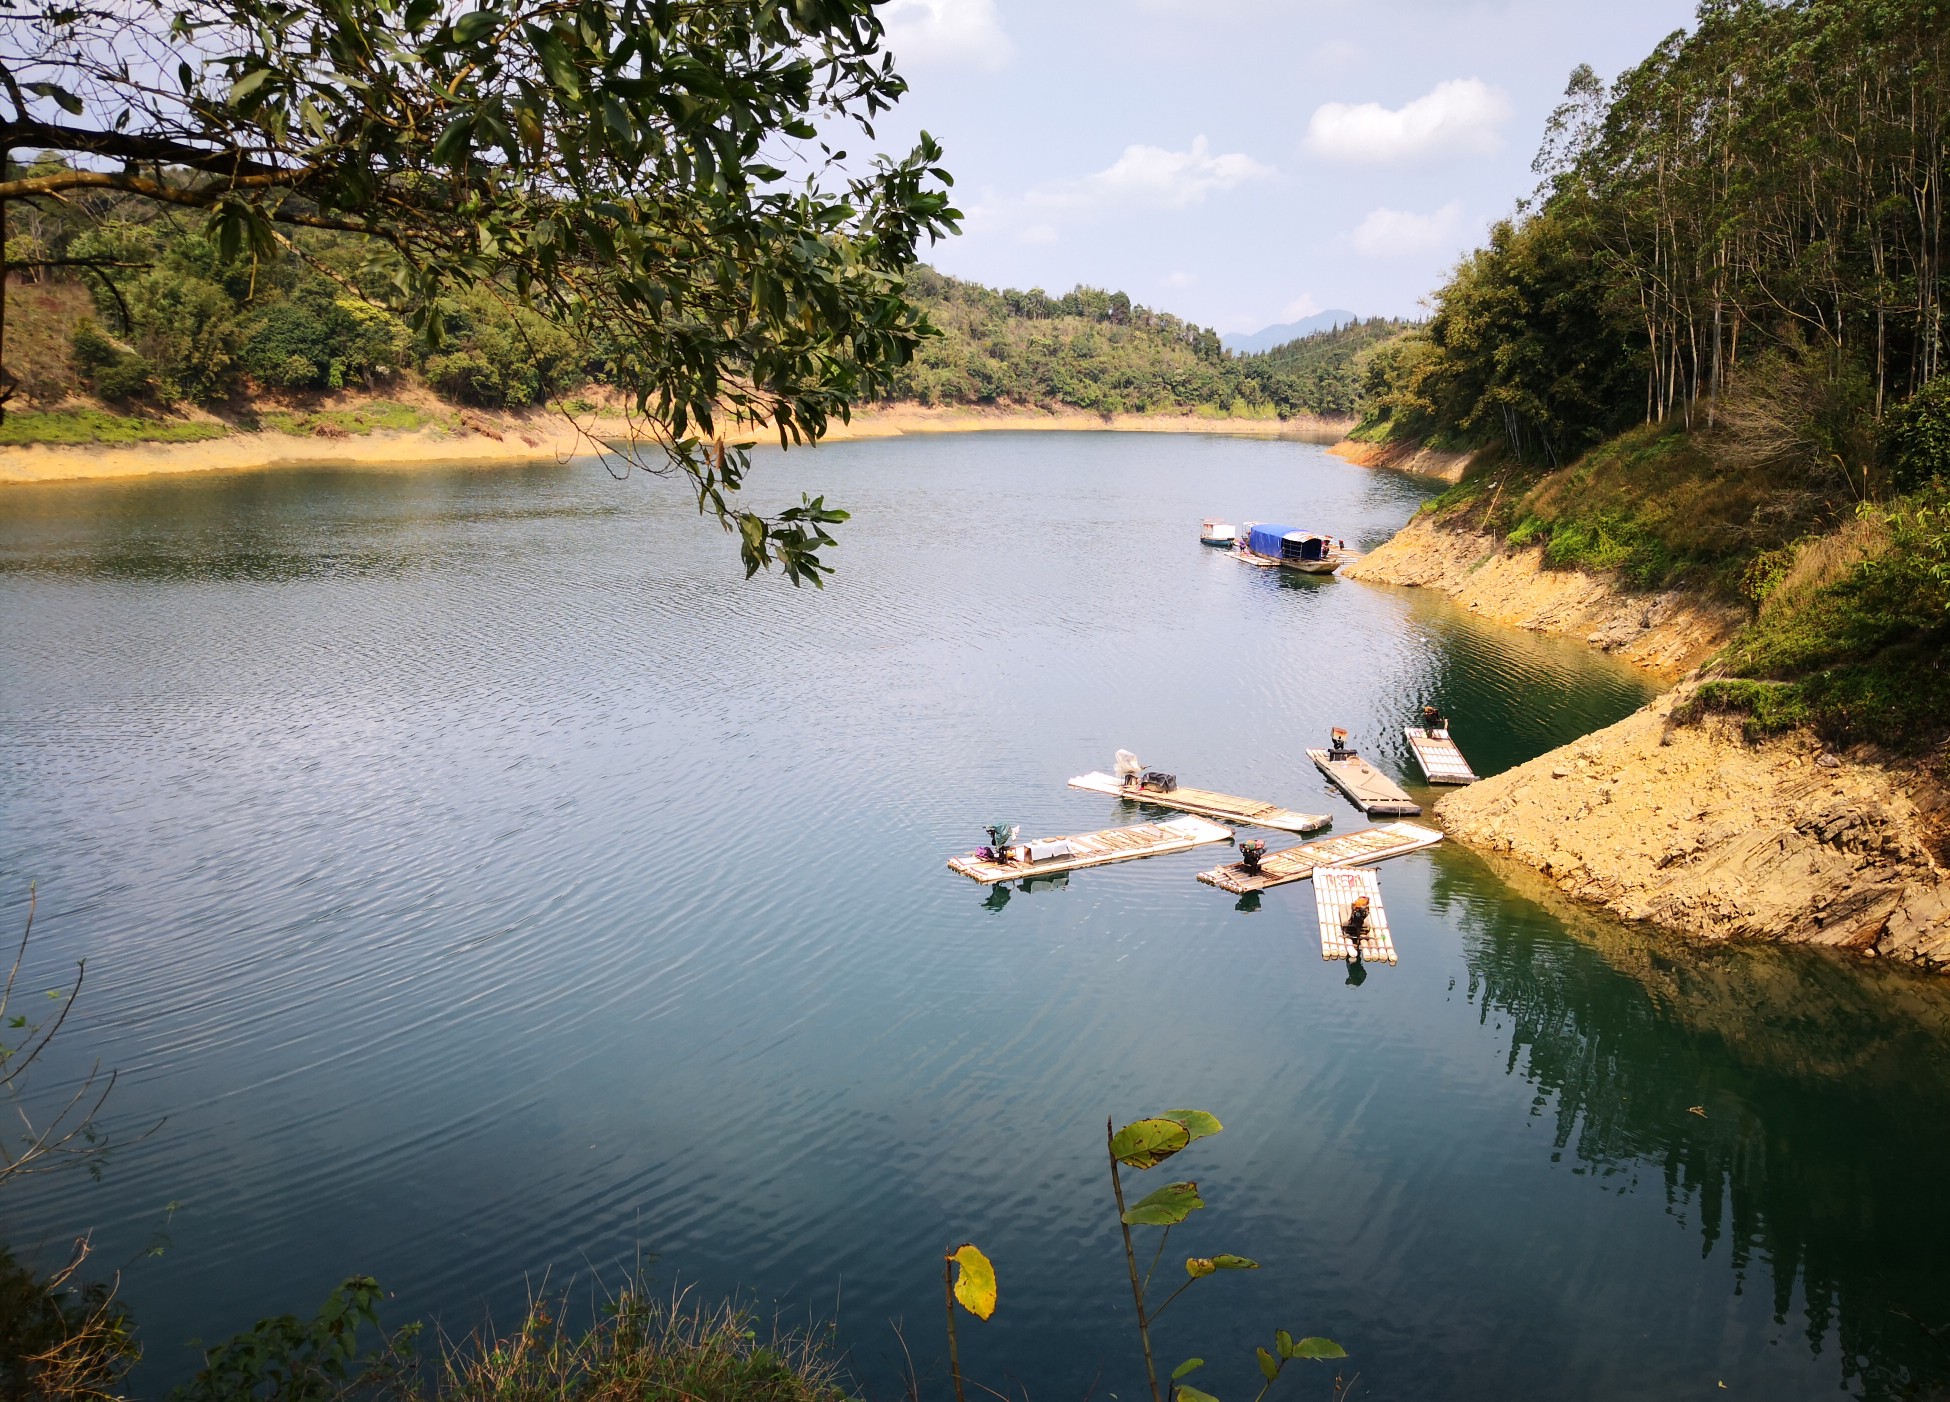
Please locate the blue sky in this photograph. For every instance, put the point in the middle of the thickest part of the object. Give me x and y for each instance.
(1243, 162)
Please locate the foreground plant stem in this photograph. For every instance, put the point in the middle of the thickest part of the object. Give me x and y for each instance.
(1130, 1261)
(954, 1348)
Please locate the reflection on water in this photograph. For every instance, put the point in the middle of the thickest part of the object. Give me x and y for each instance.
(1791, 1108)
(484, 882)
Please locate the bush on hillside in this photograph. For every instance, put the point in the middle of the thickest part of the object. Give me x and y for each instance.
(1916, 437)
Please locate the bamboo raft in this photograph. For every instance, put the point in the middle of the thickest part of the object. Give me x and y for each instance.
(1373, 792)
(1369, 845)
(1092, 849)
(1335, 890)
(1436, 752)
(1241, 812)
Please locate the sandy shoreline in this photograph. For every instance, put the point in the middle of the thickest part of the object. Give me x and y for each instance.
(541, 437)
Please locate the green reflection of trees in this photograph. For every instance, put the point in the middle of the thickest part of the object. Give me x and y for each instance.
(1796, 1108)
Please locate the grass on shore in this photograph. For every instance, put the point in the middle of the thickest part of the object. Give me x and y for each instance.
(379, 415)
(98, 426)
(644, 1350)
(1850, 637)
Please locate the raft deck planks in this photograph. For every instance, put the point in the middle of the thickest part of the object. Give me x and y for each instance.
(1373, 792)
(1335, 890)
(1375, 844)
(1225, 807)
(1439, 757)
(1097, 848)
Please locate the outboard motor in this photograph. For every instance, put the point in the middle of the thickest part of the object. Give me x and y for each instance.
(1250, 851)
(1000, 836)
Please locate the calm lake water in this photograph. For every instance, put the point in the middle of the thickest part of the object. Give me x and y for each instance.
(483, 885)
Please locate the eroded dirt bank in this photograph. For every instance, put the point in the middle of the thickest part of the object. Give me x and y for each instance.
(1692, 828)
(1688, 827)
(1669, 633)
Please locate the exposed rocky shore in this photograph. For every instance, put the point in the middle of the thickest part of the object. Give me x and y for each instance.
(1696, 830)
(1689, 827)
(1669, 633)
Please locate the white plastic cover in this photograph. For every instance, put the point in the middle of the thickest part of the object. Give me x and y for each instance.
(1126, 765)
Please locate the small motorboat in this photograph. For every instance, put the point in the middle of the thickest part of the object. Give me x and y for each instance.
(1216, 532)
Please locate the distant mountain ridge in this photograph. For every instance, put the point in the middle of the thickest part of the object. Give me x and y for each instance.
(1266, 338)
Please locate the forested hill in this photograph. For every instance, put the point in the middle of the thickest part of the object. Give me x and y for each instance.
(1718, 331)
(1101, 352)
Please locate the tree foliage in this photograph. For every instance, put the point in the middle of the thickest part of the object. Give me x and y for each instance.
(646, 175)
(1101, 352)
(1750, 222)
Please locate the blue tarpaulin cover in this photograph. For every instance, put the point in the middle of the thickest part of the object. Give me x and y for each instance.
(1265, 540)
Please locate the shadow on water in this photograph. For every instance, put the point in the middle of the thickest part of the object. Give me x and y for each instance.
(1795, 1109)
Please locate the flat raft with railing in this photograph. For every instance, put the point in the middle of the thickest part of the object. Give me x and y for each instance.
(1439, 756)
(1227, 808)
(1369, 845)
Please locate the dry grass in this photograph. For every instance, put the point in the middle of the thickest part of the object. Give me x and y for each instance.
(1824, 560)
(41, 318)
(640, 1350)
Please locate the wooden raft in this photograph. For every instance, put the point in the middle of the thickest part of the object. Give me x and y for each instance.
(1248, 812)
(1373, 792)
(1375, 844)
(1096, 848)
(1335, 890)
(1436, 752)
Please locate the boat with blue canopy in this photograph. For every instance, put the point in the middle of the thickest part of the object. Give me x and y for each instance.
(1290, 547)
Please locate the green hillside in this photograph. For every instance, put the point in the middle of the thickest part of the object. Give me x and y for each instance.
(1101, 352)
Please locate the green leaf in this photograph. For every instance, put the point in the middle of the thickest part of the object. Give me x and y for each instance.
(1147, 1143)
(974, 1280)
(1317, 1348)
(1188, 1393)
(1171, 1204)
(1269, 1366)
(476, 26)
(63, 99)
(248, 84)
(1234, 1263)
(1197, 1123)
(1190, 1365)
(1283, 1341)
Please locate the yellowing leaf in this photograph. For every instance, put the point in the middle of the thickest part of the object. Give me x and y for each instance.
(1269, 1366)
(1188, 1393)
(1318, 1348)
(974, 1280)
(1146, 1143)
(1198, 1267)
(1227, 1262)
(1190, 1365)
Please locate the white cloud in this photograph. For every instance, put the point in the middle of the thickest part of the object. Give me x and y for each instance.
(1300, 308)
(1038, 233)
(1150, 177)
(1460, 117)
(1395, 233)
(959, 33)
(1178, 279)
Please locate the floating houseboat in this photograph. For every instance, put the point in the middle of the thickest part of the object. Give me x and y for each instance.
(1213, 531)
(1285, 546)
